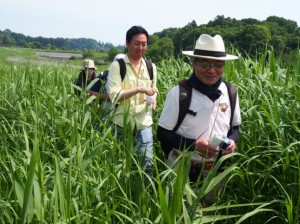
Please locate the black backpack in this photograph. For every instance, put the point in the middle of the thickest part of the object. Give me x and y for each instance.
(103, 76)
(185, 96)
(123, 68)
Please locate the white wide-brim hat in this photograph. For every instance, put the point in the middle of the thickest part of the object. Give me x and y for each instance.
(88, 63)
(210, 48)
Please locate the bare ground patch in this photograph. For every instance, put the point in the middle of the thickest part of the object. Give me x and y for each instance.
(58, 55)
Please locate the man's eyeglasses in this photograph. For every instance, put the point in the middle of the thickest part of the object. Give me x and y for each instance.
(206, 65)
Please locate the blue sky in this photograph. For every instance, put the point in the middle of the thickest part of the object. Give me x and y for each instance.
(108, 20)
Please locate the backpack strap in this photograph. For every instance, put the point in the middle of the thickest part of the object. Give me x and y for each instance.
(104, 75)
(150, 68)
(232, 93)
(185, 96)
(103, 80)
(123, 68)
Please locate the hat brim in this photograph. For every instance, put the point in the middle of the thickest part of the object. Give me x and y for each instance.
(89, 67)
(227, 58)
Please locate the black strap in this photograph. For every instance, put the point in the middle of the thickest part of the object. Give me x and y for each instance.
(185, 96)
(150, 68)
(232, 93)
(104, 75)
(123, 68)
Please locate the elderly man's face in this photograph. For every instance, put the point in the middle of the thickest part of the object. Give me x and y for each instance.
(208, 71)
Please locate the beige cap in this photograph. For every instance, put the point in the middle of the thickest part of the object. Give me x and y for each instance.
(88, 63)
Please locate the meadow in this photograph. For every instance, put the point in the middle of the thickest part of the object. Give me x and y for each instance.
(61, 163)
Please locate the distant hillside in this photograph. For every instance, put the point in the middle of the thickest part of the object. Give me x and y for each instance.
(247, 36)
(250, 37)
(9, 39)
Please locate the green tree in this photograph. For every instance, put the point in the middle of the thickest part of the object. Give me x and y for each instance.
(289, 25)
(181, 41)
(113, 51)
(37, 45)
(221, 21)
(88, 54)
(159, 48)
(152, 40)
(7, 40)
(254, 38)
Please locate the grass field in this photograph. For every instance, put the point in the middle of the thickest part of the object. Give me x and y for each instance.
(61, 163)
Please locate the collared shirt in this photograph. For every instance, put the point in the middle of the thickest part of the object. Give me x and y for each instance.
(134, 108)
(212, 118)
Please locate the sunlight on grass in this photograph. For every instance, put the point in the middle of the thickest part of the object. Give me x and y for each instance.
(62, 163)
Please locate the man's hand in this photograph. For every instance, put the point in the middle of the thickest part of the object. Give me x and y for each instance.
(230, 149)
(151, 100)
(149, 91)
(204, 149)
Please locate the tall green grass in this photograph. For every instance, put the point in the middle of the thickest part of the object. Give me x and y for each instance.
(60, 161)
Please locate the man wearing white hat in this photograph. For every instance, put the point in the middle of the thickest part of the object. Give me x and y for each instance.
(209, 122)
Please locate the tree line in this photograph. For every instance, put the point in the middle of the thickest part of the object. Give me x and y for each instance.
(247, 36)
(12, 39)
(250, 37)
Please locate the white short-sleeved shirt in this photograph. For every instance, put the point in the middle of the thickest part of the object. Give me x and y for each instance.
(212, 118)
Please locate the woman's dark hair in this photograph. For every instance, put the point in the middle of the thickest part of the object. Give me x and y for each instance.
(134, 31)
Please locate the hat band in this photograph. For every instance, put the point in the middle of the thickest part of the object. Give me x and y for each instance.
(210, 53)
